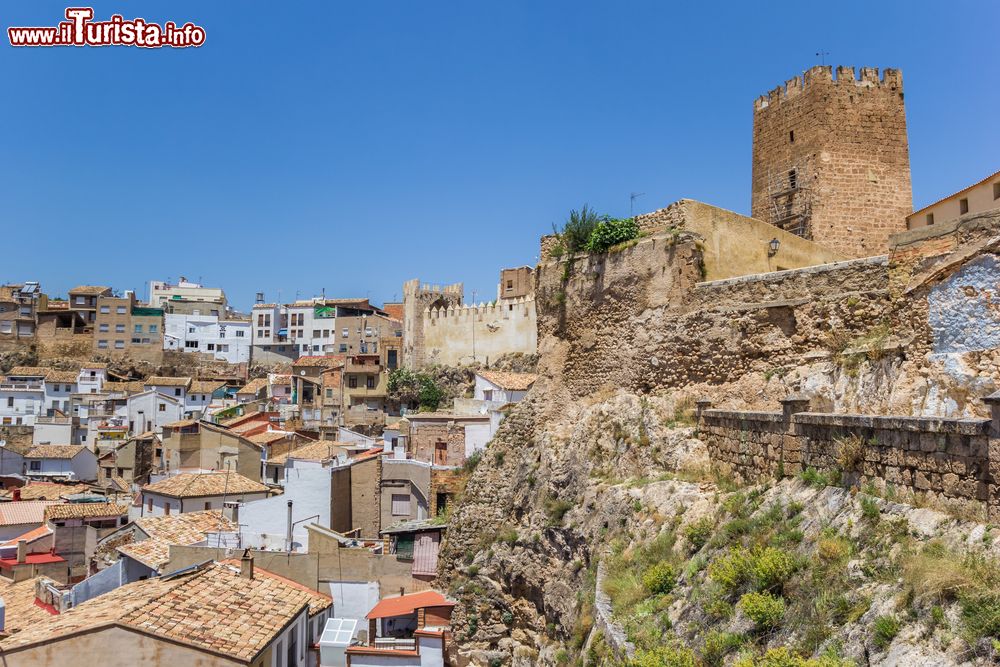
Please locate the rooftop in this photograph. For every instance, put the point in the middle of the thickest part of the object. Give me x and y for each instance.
(404, 605)
(267, 437)
(320, 450)
(20, 610)
(212, 608)
(205, 386)
(327, 362)
(93, 290)
(162, 381)
(54, 451)
(45, 491)
(254, 386)
(181, 529)
(510, 381)
(84, 511)
(23, 512)
(199, 484)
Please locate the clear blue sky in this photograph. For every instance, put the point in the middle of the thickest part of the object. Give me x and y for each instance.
(352, 146)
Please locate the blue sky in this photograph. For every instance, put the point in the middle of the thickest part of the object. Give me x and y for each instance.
(351, 146)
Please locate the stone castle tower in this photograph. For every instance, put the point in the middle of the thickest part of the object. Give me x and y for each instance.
(416, 299)
(831, 159)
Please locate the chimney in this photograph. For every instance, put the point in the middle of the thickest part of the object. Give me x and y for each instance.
(246, 564)
(402, 591)
(288, 537)
(22, 551)
(17, 494)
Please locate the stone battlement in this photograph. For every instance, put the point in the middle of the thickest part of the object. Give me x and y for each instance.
(821, 75)
(496, 308)
(414, 287)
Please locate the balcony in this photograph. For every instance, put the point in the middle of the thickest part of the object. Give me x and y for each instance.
(22, 386)
(396, 643)
(55, 421)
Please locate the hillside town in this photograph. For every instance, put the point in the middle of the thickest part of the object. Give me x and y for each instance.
(332, 482)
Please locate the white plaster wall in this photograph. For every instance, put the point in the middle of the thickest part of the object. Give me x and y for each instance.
(144, 408)
(476, 436)
(264, 522)
(20, 405)
(354, 599)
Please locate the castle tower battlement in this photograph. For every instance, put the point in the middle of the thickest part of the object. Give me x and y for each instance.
(831, 158)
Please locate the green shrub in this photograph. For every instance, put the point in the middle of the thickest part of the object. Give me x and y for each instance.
(556, 509)
(576, 231)
(764, 609)
(699, 531)
(813, 477)
(612, 231)
(884, 630)
(672, 655)
(718, 645)
(507, 535)
(660, 578)
(869, 509)
(732, 571)
(772, 567)
(782, 657)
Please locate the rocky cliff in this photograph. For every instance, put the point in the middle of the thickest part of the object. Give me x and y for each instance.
(599, 475)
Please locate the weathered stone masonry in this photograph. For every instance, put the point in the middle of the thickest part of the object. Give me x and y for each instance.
(953, 459)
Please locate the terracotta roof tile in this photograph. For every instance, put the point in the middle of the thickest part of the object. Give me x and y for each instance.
(510, 381)
(67, 377)
(54, 451)
(92, 290)
(84, 511)
(321, 450)
(253, 387)
(20, 610)
(205, 386)
(28, 371)
(267, 437)
(29, 537)
(46, 491)
(329, 361)
(181, 529)
(23, 512)
(198, 484)
(162, 381)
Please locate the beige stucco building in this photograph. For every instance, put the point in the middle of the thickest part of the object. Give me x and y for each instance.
(981, 196)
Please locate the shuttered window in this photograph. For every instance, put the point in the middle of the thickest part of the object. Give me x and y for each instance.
(400, 504)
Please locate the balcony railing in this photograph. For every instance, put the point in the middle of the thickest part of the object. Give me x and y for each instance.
(396, 644)
(22, 386)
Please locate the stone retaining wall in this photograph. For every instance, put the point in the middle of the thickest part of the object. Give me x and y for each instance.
(955, 460)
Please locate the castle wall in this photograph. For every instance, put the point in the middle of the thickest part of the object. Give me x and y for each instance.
(461, 335)
(846, 139)
(949, 459)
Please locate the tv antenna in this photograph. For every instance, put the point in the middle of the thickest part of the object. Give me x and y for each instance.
(631, 201)
(822, 56)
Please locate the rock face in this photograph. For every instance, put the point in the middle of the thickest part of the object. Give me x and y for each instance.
(627, 342)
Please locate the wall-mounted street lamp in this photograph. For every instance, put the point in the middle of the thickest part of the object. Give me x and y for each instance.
(772, 247)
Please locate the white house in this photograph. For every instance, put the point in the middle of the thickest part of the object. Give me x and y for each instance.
(22, 395)
(199, 491)
(151, 411)
(59, 388)
(264, 524)
(406, 631)
(68, 462)
(502, 387)
(225, 340)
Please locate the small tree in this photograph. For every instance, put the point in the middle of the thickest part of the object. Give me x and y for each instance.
(578, 227)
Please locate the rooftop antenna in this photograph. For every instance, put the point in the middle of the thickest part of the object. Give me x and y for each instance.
(822, 56)
(631, 201)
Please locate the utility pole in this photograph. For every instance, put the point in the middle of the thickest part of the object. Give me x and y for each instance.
(473, 326)
(631, 202)
(822, 56)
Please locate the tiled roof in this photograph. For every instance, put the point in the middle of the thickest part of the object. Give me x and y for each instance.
(67, 377)
(265, 305)
(404, 605)
(20, 610)
(510, 381)
(28, 371)
(321, 450)
(120, 484)
(45, 491)
(94, 365)
(317, 601)
(328, 361)
(54, 451)
(23, 512)
(253, 387)
(198, 484)
(283, 380)
(29, 537)
(161, 381)
(212, 608)
(182, 423)
(84, 511)
(267, 437)
(131, 387)
(181, 529)
(93, 290)
(205, 386)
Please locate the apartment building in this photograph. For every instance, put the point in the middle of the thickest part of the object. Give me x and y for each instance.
(19, 307)
(83, 300)
(123, 326)
(222, 339)
(187, 298)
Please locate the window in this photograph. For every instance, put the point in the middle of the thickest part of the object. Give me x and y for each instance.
(510, 284)
(119, 328)
(119, 345)
(963, 206)
(136, 341)
(177, 391)
(487, 394)
(166, 508)
(102, 328)
(162, 407)
(930, 218)
(329, 393)
(352, 382)
(239, 333)
(793, 179)
(208, 505)
(10, 401)
(400, 504)
(211, 347)
(191, 343)
(996, 190)
(138, 328)
(190, 329)
(152, 328)
(345, 333)
(440, 453)
(80, 300)
(315, 333)
(120, 310)
(370, 382)
(326, 333)
(149, 505)
(105, 309)
(343, 347)
(36, 465)
(145, 341)
(791, 136)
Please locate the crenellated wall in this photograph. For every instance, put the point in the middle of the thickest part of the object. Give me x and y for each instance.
(460, 334)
